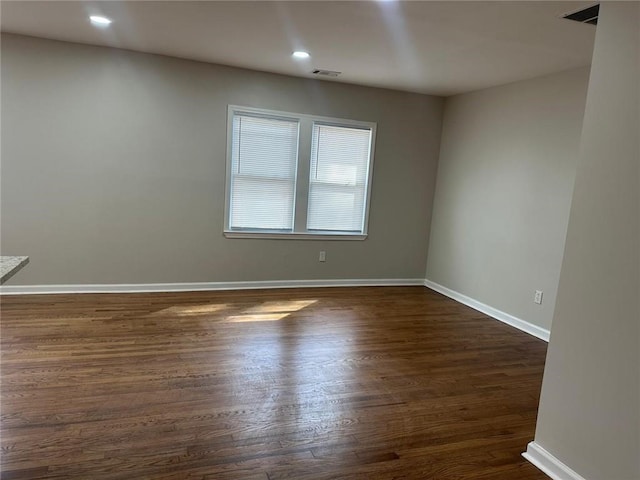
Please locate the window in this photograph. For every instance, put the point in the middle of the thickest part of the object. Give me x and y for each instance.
(297, 176)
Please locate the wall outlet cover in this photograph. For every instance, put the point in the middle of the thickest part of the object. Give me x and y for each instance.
(537, 298)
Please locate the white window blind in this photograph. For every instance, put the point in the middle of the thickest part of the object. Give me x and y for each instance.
(338, 178)
(264, 157)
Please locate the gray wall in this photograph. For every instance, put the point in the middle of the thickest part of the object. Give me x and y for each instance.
(113, 169)
(589, 415)
(507, 165)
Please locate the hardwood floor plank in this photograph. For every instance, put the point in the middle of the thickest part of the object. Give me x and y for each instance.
(305, 384)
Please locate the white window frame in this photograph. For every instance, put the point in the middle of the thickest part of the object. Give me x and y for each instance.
(305, 132)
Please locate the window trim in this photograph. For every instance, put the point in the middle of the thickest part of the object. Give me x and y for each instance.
(305, 131)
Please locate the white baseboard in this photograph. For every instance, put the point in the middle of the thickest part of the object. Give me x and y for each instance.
(549, 464)
(518, 323)
(204, 286)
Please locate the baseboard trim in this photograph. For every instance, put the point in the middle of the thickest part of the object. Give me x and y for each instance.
(204, 286)
(549, 464)
(518, 323)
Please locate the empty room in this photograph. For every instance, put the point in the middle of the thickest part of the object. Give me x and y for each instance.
(314, 240)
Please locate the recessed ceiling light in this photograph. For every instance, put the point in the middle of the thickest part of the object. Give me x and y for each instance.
(300, 54)
(100, 21)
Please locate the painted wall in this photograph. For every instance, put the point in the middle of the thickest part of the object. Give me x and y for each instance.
(113, 170)
(589, 416)
(503, 192)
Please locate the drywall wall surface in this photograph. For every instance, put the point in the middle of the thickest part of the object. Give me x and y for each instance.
(503, 191)
(113, 169)
(589, 416)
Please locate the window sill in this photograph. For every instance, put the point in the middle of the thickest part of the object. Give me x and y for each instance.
(295, 236)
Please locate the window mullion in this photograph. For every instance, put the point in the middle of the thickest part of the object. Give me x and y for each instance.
(302, 175)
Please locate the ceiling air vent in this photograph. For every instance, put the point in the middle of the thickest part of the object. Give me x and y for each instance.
(585, 15)
(326, 73)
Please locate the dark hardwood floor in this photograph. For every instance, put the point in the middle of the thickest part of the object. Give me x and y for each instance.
(335, 383)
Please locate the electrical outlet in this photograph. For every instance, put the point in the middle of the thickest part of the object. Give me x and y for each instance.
(537, 298)
(323, 256)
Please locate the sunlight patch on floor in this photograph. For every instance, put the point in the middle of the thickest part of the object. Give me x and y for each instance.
(257, 317)
(187, 310)
(280, 306)
(270, 311)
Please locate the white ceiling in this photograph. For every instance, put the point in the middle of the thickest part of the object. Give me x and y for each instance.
(441, 48)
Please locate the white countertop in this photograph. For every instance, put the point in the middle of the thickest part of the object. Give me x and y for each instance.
(10, 265)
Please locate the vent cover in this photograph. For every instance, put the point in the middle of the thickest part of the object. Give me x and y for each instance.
(326, 73)
(586, 15)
